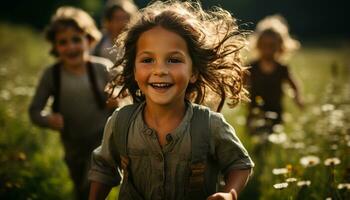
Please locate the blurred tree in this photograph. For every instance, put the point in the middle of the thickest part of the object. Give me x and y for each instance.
(37, 13)
(308, 19)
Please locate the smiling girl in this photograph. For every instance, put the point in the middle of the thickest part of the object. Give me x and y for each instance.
(165, 144)
(76, 83)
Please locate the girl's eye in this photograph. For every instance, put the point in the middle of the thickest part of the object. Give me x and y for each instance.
(62, 42)
(174, 60)
(76, 39)
(147, 60)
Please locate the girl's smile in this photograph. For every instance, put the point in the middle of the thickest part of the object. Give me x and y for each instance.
(161, 86)
(163, 66)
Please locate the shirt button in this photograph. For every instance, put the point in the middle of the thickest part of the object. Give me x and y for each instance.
(169, 138)
(148, 132)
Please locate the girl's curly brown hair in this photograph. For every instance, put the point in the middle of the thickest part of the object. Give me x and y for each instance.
(214, 43)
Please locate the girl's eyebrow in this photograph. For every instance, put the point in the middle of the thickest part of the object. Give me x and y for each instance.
(144, 52)
(168, 53)
(177, 52)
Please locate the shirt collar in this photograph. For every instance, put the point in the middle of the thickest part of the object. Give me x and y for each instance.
(176, 133)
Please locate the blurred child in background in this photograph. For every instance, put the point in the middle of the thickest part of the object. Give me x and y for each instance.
(76, 83)
(271, 45)
(116, 15)
(268, 73)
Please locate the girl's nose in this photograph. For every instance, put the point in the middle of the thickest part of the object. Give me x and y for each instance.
(160, 69)
(70, 45)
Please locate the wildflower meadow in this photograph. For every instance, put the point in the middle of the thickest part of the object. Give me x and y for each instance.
(306, 157)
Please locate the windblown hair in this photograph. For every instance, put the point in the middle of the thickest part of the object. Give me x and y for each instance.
(276, 26)
(214, 43)
(67, 17)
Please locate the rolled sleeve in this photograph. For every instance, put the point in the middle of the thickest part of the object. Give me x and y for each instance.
(43, 91)
(103, 165)
(229, 151)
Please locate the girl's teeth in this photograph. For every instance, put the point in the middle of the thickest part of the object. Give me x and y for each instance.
(160, 84)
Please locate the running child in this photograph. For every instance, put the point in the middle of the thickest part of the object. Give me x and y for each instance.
(166, 146)
(76, 84)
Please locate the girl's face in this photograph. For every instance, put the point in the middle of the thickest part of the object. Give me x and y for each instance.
(163, 66)
(269, 46)
(72, 46)
(118, 21)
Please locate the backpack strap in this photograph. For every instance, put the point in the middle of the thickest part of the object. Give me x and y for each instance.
(56, 74)
(121, 126)
(119, 136)
(200, 145)
(100, 100)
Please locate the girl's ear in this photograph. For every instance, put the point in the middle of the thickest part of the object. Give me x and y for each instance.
(194, 77)
(92, 42)
(135, 76)
(281, 49)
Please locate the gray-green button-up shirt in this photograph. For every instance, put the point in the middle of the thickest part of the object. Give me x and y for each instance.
(163, 172)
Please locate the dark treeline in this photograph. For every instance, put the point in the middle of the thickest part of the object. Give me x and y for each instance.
(307, 18)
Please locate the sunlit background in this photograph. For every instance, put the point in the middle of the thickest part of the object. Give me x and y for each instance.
(306, 158)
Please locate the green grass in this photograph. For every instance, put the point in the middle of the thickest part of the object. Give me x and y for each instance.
(31, 164)
(324, 76)
(31, 159)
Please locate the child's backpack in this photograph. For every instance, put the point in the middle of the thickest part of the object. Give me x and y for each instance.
(201, 170)
(56, 74)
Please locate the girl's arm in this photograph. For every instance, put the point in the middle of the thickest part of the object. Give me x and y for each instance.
(103, 174)
(98, 191)
(291, 81)
(235, 182)
(39, 101)
(232, 158)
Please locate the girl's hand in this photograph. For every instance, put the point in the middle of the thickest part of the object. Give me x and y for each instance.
(299, 102)
(224, 196)
(55, 121)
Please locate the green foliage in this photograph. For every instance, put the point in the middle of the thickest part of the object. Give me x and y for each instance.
(31, 164)
(31, 159)
(92, 6)
(321, 129)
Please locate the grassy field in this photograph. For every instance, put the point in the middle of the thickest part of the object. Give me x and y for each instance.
(319, 131)
(31, 159)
